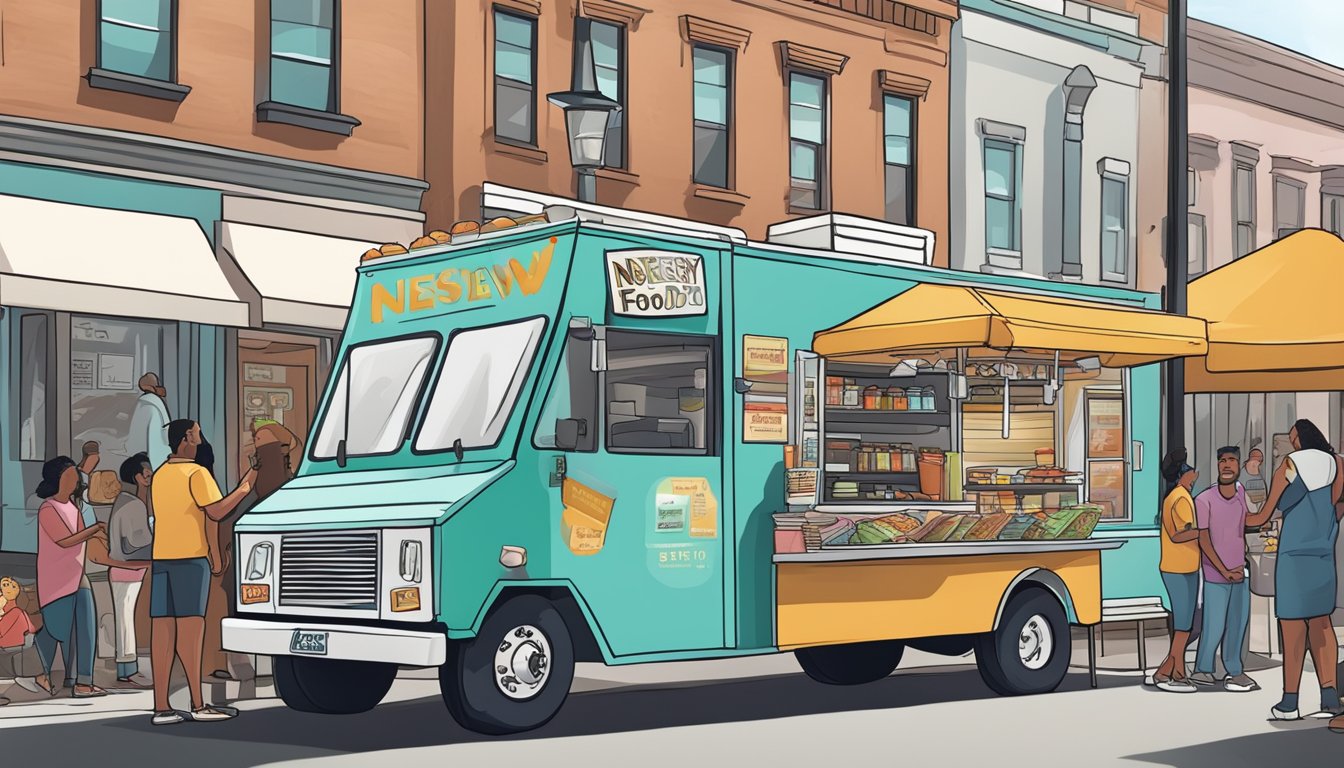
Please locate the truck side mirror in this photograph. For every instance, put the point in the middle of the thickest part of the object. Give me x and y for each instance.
(568, 432)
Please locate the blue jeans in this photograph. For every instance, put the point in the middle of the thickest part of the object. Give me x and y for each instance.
(1227, 611)
(63, 620)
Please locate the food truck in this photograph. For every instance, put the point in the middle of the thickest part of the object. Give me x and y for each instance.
(575, 436)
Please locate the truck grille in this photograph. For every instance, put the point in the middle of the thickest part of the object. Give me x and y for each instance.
(329, 570)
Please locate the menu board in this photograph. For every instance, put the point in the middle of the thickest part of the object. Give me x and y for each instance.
(1105, 428)
(1106, 487)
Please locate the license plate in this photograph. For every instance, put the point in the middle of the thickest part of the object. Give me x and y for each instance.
(314, 643)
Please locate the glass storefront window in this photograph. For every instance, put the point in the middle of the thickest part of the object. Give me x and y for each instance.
(31, 364)
(107, 359)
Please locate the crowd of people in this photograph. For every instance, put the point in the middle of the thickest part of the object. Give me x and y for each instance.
(1204, 549)
(161, 526)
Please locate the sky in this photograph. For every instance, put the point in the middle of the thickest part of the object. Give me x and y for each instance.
(1312, 27)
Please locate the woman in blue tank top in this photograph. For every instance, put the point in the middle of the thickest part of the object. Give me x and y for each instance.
(1305, 489)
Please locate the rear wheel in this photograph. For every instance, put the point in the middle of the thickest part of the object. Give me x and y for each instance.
(515, 674)
(851, 664)
(1029, 652)
(332, 686)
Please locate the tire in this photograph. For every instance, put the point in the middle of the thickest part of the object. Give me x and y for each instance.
(851, 664)
(332, 686)
(1033, 625)
(474, 690)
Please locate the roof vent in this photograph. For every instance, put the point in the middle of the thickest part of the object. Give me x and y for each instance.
(856, 235)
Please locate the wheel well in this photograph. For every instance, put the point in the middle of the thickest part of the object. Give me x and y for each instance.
(586, 647)
(1043, 580)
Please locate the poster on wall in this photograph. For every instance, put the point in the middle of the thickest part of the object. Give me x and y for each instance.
(116, 371)
(765, 409)
(1105, 427)
(82, 372)
(584, 521)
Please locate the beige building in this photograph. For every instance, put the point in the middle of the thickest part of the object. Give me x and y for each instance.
(742, 113)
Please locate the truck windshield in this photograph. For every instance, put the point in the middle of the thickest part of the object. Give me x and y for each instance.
(482, 373)
(374, 397)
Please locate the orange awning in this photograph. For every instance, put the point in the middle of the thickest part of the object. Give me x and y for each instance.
(933, 317)
(1275, 321)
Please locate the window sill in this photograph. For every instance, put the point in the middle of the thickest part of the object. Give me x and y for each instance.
(719, 194)
(108, 80)
(617, 175)
(794, 210)
(999, 258)
(523, 151)
(288, 114)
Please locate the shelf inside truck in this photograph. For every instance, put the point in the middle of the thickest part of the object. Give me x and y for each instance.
(950, 549)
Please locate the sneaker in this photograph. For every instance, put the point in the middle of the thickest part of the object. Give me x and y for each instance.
(1176, 685)
(1337, 725)
(213, 714)
(1281, 714)
(1205, 679)
(171, 717)
(1242, 683)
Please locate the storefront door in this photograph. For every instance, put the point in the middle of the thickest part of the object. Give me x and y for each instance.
(278, 379)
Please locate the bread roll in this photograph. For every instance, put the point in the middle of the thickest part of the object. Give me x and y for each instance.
(441, 237)
(392, 249)
(372, 253)
(424, 242)
(494, 225)
(465, 228)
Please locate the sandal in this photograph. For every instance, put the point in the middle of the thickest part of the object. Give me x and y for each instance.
(88, 692)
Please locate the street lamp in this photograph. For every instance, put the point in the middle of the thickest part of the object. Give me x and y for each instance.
(586, 116)
(1176, 244)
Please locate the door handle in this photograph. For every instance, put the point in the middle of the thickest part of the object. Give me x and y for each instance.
(558, 476)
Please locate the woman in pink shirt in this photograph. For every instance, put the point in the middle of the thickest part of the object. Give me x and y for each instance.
(67, 610)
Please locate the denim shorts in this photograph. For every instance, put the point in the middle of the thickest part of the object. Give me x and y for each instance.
(1182, 590)
(179, 588)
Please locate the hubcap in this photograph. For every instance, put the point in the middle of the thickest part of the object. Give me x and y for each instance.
(1035, 643)
(522, 662)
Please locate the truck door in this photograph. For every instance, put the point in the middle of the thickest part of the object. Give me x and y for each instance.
(639, 502)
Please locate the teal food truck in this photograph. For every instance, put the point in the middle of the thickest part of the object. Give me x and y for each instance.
(582, 439)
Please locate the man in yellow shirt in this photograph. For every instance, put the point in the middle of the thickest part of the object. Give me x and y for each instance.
(184, 495)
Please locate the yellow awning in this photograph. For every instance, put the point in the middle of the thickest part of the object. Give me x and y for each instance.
(929, 317)
(1200, 379)
(1275, 310)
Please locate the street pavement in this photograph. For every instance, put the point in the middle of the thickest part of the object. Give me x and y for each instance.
(752, 711)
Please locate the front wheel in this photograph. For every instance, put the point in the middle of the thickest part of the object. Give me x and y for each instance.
(515, 674)
(332, 686)
(1029, 652)
(851, 664)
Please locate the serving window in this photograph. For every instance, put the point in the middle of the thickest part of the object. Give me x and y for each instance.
(656, 395)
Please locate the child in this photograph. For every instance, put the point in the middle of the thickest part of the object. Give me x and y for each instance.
(16, 635)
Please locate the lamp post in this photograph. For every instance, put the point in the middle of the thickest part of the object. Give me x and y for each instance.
(1177, 221)
(586, 116)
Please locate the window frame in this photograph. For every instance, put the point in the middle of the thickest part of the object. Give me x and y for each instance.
(532, 21)
(334, 66)
(340, 366)
(1332, 212)
(172, 44)
(714, 424)
(1106, 272)
(433, 381)
(822, 184)
(583, 37)
(1299, 189)
(1015, 193)
(730, 116)
(1238, 166)
(1197, 221)
(18, 318)
(911, 202)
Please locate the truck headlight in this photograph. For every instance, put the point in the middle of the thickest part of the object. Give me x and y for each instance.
(410, 561)
(259, 561)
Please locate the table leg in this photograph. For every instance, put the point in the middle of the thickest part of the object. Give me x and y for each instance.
(1143, 649)
(1092, 653)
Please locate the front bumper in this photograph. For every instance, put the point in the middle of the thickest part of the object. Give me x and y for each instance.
(353, 643)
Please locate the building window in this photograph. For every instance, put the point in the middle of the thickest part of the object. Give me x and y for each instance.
(657, 395)
(1243, 195)
(1332, 213)
(713, 107)
(1114, 227)
(604, 43)
(898, 148)
(303, 53)
(1196, 253)
(1289, 206)
(515, 77)
(30, 363)
(807, 141)
(107, 359)
(136, 37)
(1003, 193)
